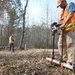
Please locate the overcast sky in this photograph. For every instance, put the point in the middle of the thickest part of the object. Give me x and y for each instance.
(36, 7)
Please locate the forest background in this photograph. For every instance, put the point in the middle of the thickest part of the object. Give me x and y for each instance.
(29, 21)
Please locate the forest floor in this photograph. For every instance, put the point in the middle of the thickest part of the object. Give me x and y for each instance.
(30, 62)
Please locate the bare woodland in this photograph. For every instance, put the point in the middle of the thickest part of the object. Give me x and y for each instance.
(14, 21)
(33, 42)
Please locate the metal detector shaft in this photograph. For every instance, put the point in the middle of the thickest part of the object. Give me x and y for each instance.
(54, 29)
(53, 34)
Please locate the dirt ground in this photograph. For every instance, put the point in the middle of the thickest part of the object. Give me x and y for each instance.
(30, 62)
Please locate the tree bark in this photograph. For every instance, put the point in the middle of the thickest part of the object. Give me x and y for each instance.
(23, 28)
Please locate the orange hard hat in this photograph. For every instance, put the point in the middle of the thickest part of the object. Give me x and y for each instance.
(59, 2)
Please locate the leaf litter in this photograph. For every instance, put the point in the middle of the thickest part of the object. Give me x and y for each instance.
(30, 62)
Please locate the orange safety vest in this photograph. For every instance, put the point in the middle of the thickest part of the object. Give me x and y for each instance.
(71, 24)
(10, 40)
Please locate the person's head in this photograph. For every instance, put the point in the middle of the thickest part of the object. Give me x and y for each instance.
(12, 35)
(61, 3)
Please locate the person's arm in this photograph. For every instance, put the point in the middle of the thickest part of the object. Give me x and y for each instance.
(71, 11)
(69, 17)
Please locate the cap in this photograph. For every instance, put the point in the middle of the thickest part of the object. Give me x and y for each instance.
(59, 2)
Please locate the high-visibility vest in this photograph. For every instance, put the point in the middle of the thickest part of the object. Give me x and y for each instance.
(11, 40)
(71, 24)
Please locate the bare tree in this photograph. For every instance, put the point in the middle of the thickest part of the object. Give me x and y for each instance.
(23, 28)
(46, 16)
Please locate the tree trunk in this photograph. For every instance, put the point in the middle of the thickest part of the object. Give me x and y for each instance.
(23, 29)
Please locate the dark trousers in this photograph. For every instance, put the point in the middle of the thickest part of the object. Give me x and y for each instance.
(11, 47)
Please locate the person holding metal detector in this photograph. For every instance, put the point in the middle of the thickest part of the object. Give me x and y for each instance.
(67, 17)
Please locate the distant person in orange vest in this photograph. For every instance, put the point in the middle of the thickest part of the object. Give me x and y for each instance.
(11, 43)
(67, 17)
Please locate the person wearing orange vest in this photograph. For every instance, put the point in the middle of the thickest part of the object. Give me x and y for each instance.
(11, 43)
(67, 17)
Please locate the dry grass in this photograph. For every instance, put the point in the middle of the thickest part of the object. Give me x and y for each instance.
(30, 62)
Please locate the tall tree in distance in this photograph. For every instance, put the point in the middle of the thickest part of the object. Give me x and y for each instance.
(23, 27)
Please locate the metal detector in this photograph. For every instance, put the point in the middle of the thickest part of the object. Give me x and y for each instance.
(54, 31)
(59, 62)
(53, 39)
